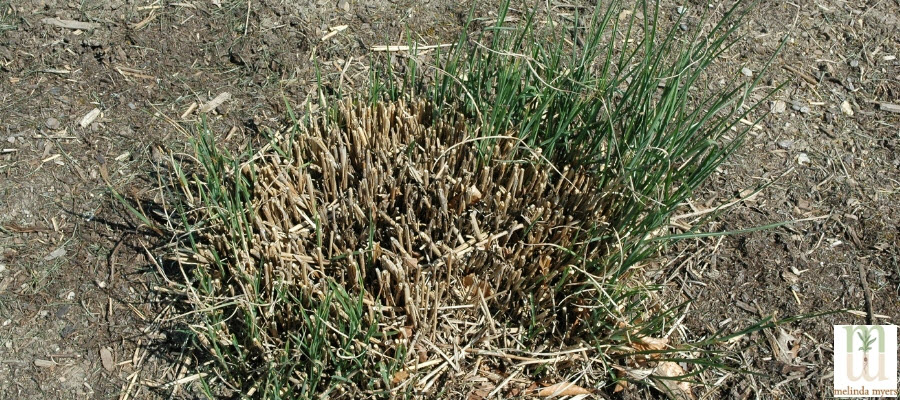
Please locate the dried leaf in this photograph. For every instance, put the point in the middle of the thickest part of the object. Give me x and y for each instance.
(107, 359)
(480, 393)
(55, 254)
(649, 343)
(399, 377)
(406, 332)
(782, 347)
(563, 389)
(638, 374)
(678, 390)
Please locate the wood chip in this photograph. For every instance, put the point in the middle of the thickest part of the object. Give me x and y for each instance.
(216, 102)
(334, 31)
(44, 363)
(189, 110)
(89, 118)
(70, 24)
(184, 380)
(131, 72)
(55, 254)
(889, 107)
(806, 77)
(144, 22)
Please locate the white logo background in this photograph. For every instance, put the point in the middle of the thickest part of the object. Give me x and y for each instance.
(872, 373)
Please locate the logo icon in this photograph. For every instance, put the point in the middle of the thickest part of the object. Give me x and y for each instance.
(865, 361)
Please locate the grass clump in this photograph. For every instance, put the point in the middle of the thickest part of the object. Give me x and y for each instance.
(473, 236)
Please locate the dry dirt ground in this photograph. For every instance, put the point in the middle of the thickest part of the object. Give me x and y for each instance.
(79, 317)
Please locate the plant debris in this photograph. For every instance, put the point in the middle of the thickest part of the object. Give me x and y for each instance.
(400, 209)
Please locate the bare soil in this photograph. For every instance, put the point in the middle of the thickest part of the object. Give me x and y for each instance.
(76, 281)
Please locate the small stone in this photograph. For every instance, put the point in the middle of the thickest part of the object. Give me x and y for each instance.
(683, 27)
(778, 106)
(681, 10)
(2, 267)
(785, 143)
(846, 108)
(854, 63)
(795, 107)
(344, 5)
(804, 110)
(747, 71)
(802, 159)
(52, 123)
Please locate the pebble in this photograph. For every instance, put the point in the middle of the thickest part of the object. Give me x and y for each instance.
(683, 27)
(747, 71)
(344, 5)
(846, 108)
(854, 63)
(785, 143)
(681, 9)
(52, 123)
